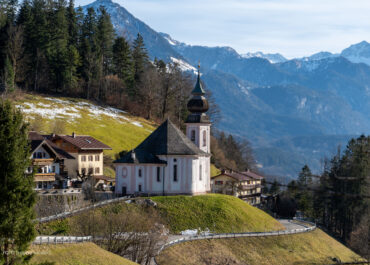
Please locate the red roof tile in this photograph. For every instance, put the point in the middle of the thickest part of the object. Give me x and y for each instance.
(84, 142)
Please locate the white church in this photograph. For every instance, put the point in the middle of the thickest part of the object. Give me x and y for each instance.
(169, 162)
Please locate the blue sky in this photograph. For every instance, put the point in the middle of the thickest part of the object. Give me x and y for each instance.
(294, 28)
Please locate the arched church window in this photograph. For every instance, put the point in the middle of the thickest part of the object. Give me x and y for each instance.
(175, 173)
(124, 172)
(204, 138)
(192, 137)
(200, 172)
(140, 173)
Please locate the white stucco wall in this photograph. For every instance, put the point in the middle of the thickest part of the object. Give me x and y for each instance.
(199, 129)
(188, 176)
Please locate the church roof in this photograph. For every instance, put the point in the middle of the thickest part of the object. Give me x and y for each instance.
(198, 89)
(140, 157)
(167, 139)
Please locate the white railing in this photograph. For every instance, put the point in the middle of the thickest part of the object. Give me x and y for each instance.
(40, 240)
(309, 228)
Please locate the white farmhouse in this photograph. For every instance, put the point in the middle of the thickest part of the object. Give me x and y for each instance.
(169, 162)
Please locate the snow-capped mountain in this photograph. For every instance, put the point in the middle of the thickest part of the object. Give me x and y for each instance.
(358, 53)
(288, 109)
(129, 26)
(271, 57)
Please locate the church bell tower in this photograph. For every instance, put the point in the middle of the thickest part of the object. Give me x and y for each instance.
(198, 125)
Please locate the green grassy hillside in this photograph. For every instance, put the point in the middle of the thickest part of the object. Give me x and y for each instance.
(81, 254)
(218, 213)
(309, 248)
(116, 128)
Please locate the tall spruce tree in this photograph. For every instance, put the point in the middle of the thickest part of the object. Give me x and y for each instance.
(89, 50)
(122, 61)
(17, 197)
(105, 40)
(140, 59)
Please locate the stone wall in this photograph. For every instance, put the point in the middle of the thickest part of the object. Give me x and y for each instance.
(52, 204)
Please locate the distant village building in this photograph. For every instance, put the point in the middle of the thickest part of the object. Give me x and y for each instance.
(49, 161)
(60, 158)
(87, 151)
(244, 185)
(169, 162)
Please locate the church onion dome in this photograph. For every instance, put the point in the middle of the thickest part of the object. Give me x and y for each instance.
(198, 103)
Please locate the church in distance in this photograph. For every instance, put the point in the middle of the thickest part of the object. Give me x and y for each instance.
(169, 162)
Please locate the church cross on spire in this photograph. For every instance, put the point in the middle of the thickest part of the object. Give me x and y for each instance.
(198, 89)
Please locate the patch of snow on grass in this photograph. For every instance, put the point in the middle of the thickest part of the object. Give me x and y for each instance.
(136, 123)
(49, 113)
(57, 100)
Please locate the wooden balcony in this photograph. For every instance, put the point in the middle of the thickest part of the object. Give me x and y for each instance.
(44, 177)
(42, 161)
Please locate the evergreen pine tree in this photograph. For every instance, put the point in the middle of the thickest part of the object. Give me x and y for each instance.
(140, 60)
(17, 197)
(89, 50)
(122, 61)
(105, 40)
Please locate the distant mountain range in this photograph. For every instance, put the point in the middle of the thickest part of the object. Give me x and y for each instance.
(293, 111)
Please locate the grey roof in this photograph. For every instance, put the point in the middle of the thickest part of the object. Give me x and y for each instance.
(167, 139)
(141, 157)
(198, 89)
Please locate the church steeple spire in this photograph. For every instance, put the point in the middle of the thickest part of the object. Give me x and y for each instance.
(198, 89)
(198, 125)
(198, 104)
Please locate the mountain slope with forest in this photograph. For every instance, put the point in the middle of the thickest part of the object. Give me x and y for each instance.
(317, 97)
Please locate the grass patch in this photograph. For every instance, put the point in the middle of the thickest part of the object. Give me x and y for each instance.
(214, 171)
(81, 254)
(119, 132)
(218, 213)
(309, 248)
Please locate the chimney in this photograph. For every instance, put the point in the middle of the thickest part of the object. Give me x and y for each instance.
(223, 171)
(73, 135)
(52, 135)
(133, 155)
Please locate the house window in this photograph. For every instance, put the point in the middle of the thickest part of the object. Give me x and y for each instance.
(140, 173)
(53, 169)
(158, 174)
(91, 170)
(39, 155)
(139, 187)
(204, 138)
(83, 158)
(175, 173)
(124, 172)
(34, 155)
(192, 137)
(97, 170)
(40, 185)
(219, 182)
(200, 172)
(97, 157)
(91, 158)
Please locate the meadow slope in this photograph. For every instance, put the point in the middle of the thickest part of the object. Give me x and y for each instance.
(217, 212)
(308, 248)
(81, 254)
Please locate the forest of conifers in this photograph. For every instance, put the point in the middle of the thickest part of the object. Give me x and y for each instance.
(52, 47)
